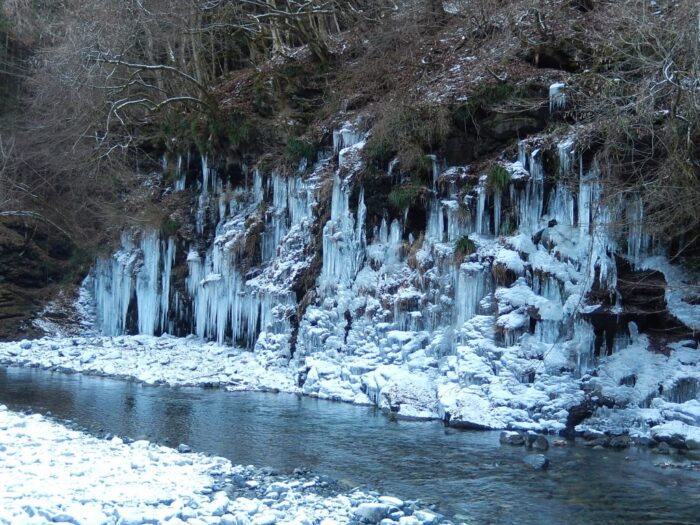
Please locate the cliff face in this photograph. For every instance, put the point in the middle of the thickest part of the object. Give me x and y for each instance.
(34, 263)
(472, 222)
(506, 296)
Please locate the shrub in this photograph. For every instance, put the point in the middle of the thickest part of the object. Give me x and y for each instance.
(297, 149)
(169, 227)
(483, 99)
(498, 178)
(464, 247)
(408, 133)
(404, 196)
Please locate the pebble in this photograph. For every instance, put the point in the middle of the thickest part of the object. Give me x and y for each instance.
(142, 483)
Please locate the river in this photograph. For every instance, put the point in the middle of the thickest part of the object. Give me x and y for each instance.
(464, 473)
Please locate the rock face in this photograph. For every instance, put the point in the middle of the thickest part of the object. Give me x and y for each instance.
(33, 262)
(488, 305)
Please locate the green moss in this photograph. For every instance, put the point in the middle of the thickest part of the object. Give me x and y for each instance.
(403, 196)
(464, 247)
(408, 133)
(498, 178)
(380, 150)
(169, 227)
(297, 149)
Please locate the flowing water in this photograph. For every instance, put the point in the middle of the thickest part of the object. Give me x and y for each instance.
(465, 473)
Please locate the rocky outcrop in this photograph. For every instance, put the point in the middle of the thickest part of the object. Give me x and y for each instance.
(34, 261)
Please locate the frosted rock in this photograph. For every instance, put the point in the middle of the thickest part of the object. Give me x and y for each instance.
(426, 517)
(372, 512)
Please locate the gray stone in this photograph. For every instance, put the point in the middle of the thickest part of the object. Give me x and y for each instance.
(620, 442)
(426, 517)
(511, 438)
(373, 512)
(390, 500)
(184, 449)
(663, 448)
(692, 444)
(540, 443)
(600, 442)
(537, 461)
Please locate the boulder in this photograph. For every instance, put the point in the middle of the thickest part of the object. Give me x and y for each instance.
(511, 438)
(373, 512)
(540, 443)
(620, 442)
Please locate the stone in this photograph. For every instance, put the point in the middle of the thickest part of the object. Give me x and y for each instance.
(427, 517)
(537, 461)
(184, 449)
(390, 500)
(511, 438)
(541, 443)
(599, 442)
(620, 442)
(692, 444)
(372, 512)
(663, 448)
(266, 518)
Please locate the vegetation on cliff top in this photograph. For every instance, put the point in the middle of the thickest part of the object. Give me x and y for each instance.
(100, 89)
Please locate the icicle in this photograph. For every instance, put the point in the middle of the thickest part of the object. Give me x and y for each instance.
(497, 212)
(561, 205)
(566, 156)
(392, 166)
(200, 216)
(557, 97)
(168, 261)
(143, 274)
(383, 232)
(584, 343)
(147, 285)
(585, 194)
(637, 242)
(530, 200)
(436, 170)
(436, 223)
(114, 287)
(343, 237)
(345, 138)
(181, 179)
(470, 289)
(482, 219)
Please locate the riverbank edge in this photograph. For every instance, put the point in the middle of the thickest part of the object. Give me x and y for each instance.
(231, 493)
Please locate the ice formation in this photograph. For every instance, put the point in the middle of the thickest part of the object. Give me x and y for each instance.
(488, 309)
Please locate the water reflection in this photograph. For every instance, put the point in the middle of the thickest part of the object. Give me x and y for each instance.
(464, 472)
